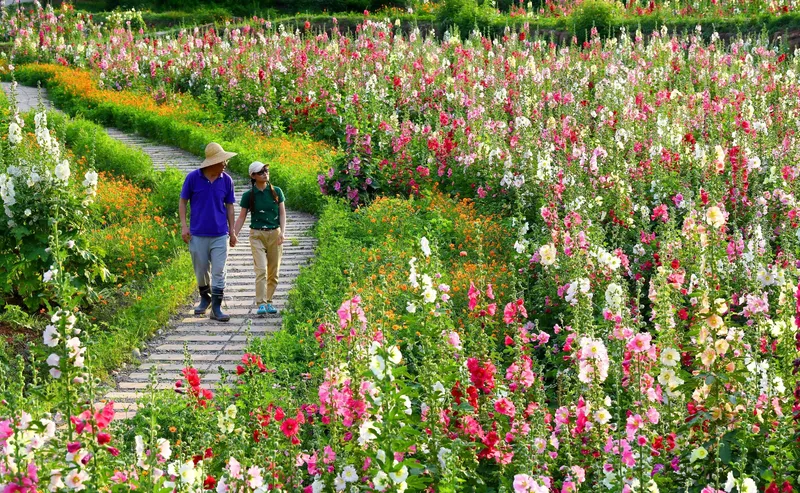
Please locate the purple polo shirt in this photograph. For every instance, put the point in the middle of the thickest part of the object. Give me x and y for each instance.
(209, 216)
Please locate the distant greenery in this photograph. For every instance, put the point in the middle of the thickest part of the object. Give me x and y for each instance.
(244, 8)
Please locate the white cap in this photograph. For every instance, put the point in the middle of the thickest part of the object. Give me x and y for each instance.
(256, 166)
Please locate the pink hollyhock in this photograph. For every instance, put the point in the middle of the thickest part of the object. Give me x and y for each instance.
(523, 483)
(797, 311)
(509, 313)
(105, 416)
(505, 406)
(474, 293)
(119, 477)
(5, 431)
(482, 376)
(640, 342)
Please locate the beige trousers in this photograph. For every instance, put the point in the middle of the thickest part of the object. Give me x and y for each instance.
(267, 260)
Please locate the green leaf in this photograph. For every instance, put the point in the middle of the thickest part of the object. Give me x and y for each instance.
(725, 452)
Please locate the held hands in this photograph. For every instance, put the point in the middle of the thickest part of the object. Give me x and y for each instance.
(233, 240)
(185, 234)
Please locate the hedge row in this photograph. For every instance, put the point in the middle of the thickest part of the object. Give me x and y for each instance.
(294, 161)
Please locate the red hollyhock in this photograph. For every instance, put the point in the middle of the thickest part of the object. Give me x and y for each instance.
(191, 376)
(482, 376)
(210, 483)
(290, 427)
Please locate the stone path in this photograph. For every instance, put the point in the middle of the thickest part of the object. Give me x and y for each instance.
(213, 345)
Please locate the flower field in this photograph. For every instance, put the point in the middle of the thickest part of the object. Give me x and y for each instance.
(553, 268)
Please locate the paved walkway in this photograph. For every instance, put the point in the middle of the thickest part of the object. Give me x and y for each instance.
(212, 345)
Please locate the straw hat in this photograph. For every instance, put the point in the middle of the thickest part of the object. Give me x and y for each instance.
(215, 154)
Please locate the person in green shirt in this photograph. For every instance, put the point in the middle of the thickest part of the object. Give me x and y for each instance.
(267, 226)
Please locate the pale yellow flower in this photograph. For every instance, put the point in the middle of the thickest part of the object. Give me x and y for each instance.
(715, 217)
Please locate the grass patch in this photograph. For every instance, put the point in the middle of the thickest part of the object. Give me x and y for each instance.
(123, 328)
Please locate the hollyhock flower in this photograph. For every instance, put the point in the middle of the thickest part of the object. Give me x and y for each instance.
(715, 217)
(523, 483)
(708, 356)
(640, 343)
(14, 133)
(290, 427)
(62, 171)
(76, 479)
(377, 366)
(234, 468)
(51, 336)
(699, 453)
(349, 474)
(254, 478)
(454, 339)
(425, 246)
(505, 406)
(474, 293)
(670, 357)
(602, 416)
(749, 486)
(53, 359)
(119, 477)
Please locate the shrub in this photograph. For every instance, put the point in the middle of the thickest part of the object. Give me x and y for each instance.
(466, 15)
(598, 14)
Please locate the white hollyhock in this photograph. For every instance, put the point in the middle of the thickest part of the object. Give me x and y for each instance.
(14, 134)
(62, 170)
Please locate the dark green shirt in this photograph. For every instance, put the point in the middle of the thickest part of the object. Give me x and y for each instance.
(265, 213)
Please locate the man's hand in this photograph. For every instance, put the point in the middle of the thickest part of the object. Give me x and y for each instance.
(234, 240)
(281, 238)
(185, 234)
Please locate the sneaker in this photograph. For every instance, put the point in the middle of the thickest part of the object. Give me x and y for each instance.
(262, 310)
(271, 309)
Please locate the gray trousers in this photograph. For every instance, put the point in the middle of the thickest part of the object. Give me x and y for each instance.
(209, 255)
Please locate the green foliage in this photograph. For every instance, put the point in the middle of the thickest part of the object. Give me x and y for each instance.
(221, 10)
(466, 15)
(599, 14)
(120, 329)
(110, 155)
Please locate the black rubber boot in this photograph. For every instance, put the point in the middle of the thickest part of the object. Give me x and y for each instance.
(205, 300)
(216, 306)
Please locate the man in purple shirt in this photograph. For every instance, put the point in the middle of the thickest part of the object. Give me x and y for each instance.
(209, 191)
